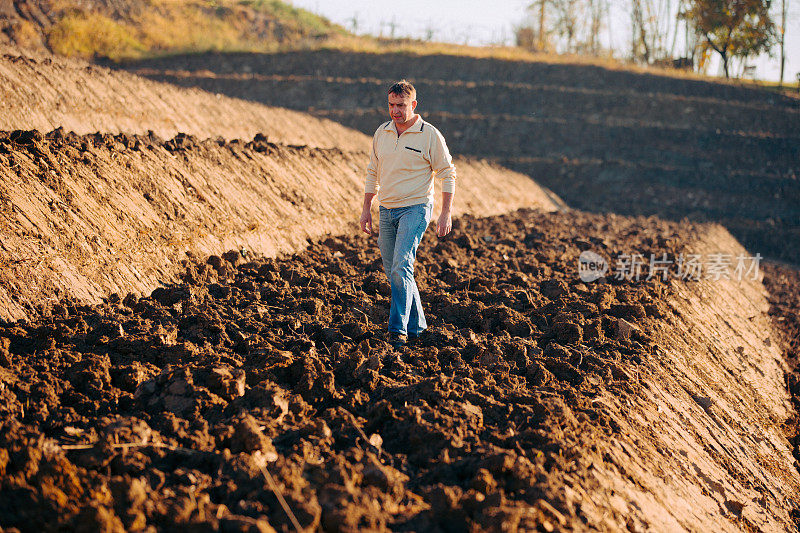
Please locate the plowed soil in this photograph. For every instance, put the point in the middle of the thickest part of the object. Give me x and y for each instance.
(783, 284)
(195, 406)
(250, 392)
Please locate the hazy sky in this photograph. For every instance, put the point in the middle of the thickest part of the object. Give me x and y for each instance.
(479, 22)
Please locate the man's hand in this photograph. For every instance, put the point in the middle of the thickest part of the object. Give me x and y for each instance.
(366, 213)
(366, 221)
(444, 224)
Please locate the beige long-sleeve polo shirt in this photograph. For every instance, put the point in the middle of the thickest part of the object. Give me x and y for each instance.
(402, 167)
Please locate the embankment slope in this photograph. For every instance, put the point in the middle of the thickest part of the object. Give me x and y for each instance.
(85, 216)
(44, 92)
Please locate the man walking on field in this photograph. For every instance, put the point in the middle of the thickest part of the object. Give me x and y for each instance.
(407, 153)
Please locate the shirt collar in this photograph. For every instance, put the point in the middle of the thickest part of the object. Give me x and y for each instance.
(415, 128)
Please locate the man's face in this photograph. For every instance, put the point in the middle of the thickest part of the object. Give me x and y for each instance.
(401, 108)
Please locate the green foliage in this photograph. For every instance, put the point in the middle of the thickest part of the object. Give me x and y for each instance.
(733, 28)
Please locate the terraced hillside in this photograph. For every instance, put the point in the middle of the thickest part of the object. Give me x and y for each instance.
(604, 140)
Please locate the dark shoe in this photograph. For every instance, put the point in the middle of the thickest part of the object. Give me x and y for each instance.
(396, 340)
(419, 340)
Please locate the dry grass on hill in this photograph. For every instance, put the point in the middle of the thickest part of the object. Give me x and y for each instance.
(127, 30)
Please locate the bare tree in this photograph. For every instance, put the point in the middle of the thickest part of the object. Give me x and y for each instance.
(652, 23)
(565, 26)
(541, 8)
(596, 10)
(640, 46)
(540, 11)
(567, 22)
(534, 32)
(782, 36)
(353, 23)
(578, 24)
(430, 31)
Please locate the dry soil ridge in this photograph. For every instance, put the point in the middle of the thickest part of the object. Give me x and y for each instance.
(85, 216)
(44, 92)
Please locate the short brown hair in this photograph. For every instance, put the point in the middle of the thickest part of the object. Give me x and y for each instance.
(403, 88)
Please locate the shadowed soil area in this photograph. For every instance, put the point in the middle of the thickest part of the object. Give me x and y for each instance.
(603, 139)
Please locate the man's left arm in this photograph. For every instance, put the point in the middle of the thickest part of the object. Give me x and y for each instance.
(445, 222)
(442, 165)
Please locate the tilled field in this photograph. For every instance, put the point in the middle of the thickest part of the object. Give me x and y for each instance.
(197, 406)
(783, 284)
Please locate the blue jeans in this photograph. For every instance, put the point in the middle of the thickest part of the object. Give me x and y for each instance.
(400, 232)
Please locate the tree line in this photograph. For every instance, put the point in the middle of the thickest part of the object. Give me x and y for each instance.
(674, 33)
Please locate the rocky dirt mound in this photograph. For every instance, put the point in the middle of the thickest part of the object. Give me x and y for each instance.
(85, 216)
(45, 92)
(259, 389)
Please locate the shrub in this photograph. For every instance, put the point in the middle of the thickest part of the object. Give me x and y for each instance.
(92, 34)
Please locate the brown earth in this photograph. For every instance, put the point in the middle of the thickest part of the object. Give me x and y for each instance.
(783, 284)
(537, 402)
(84, 216)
